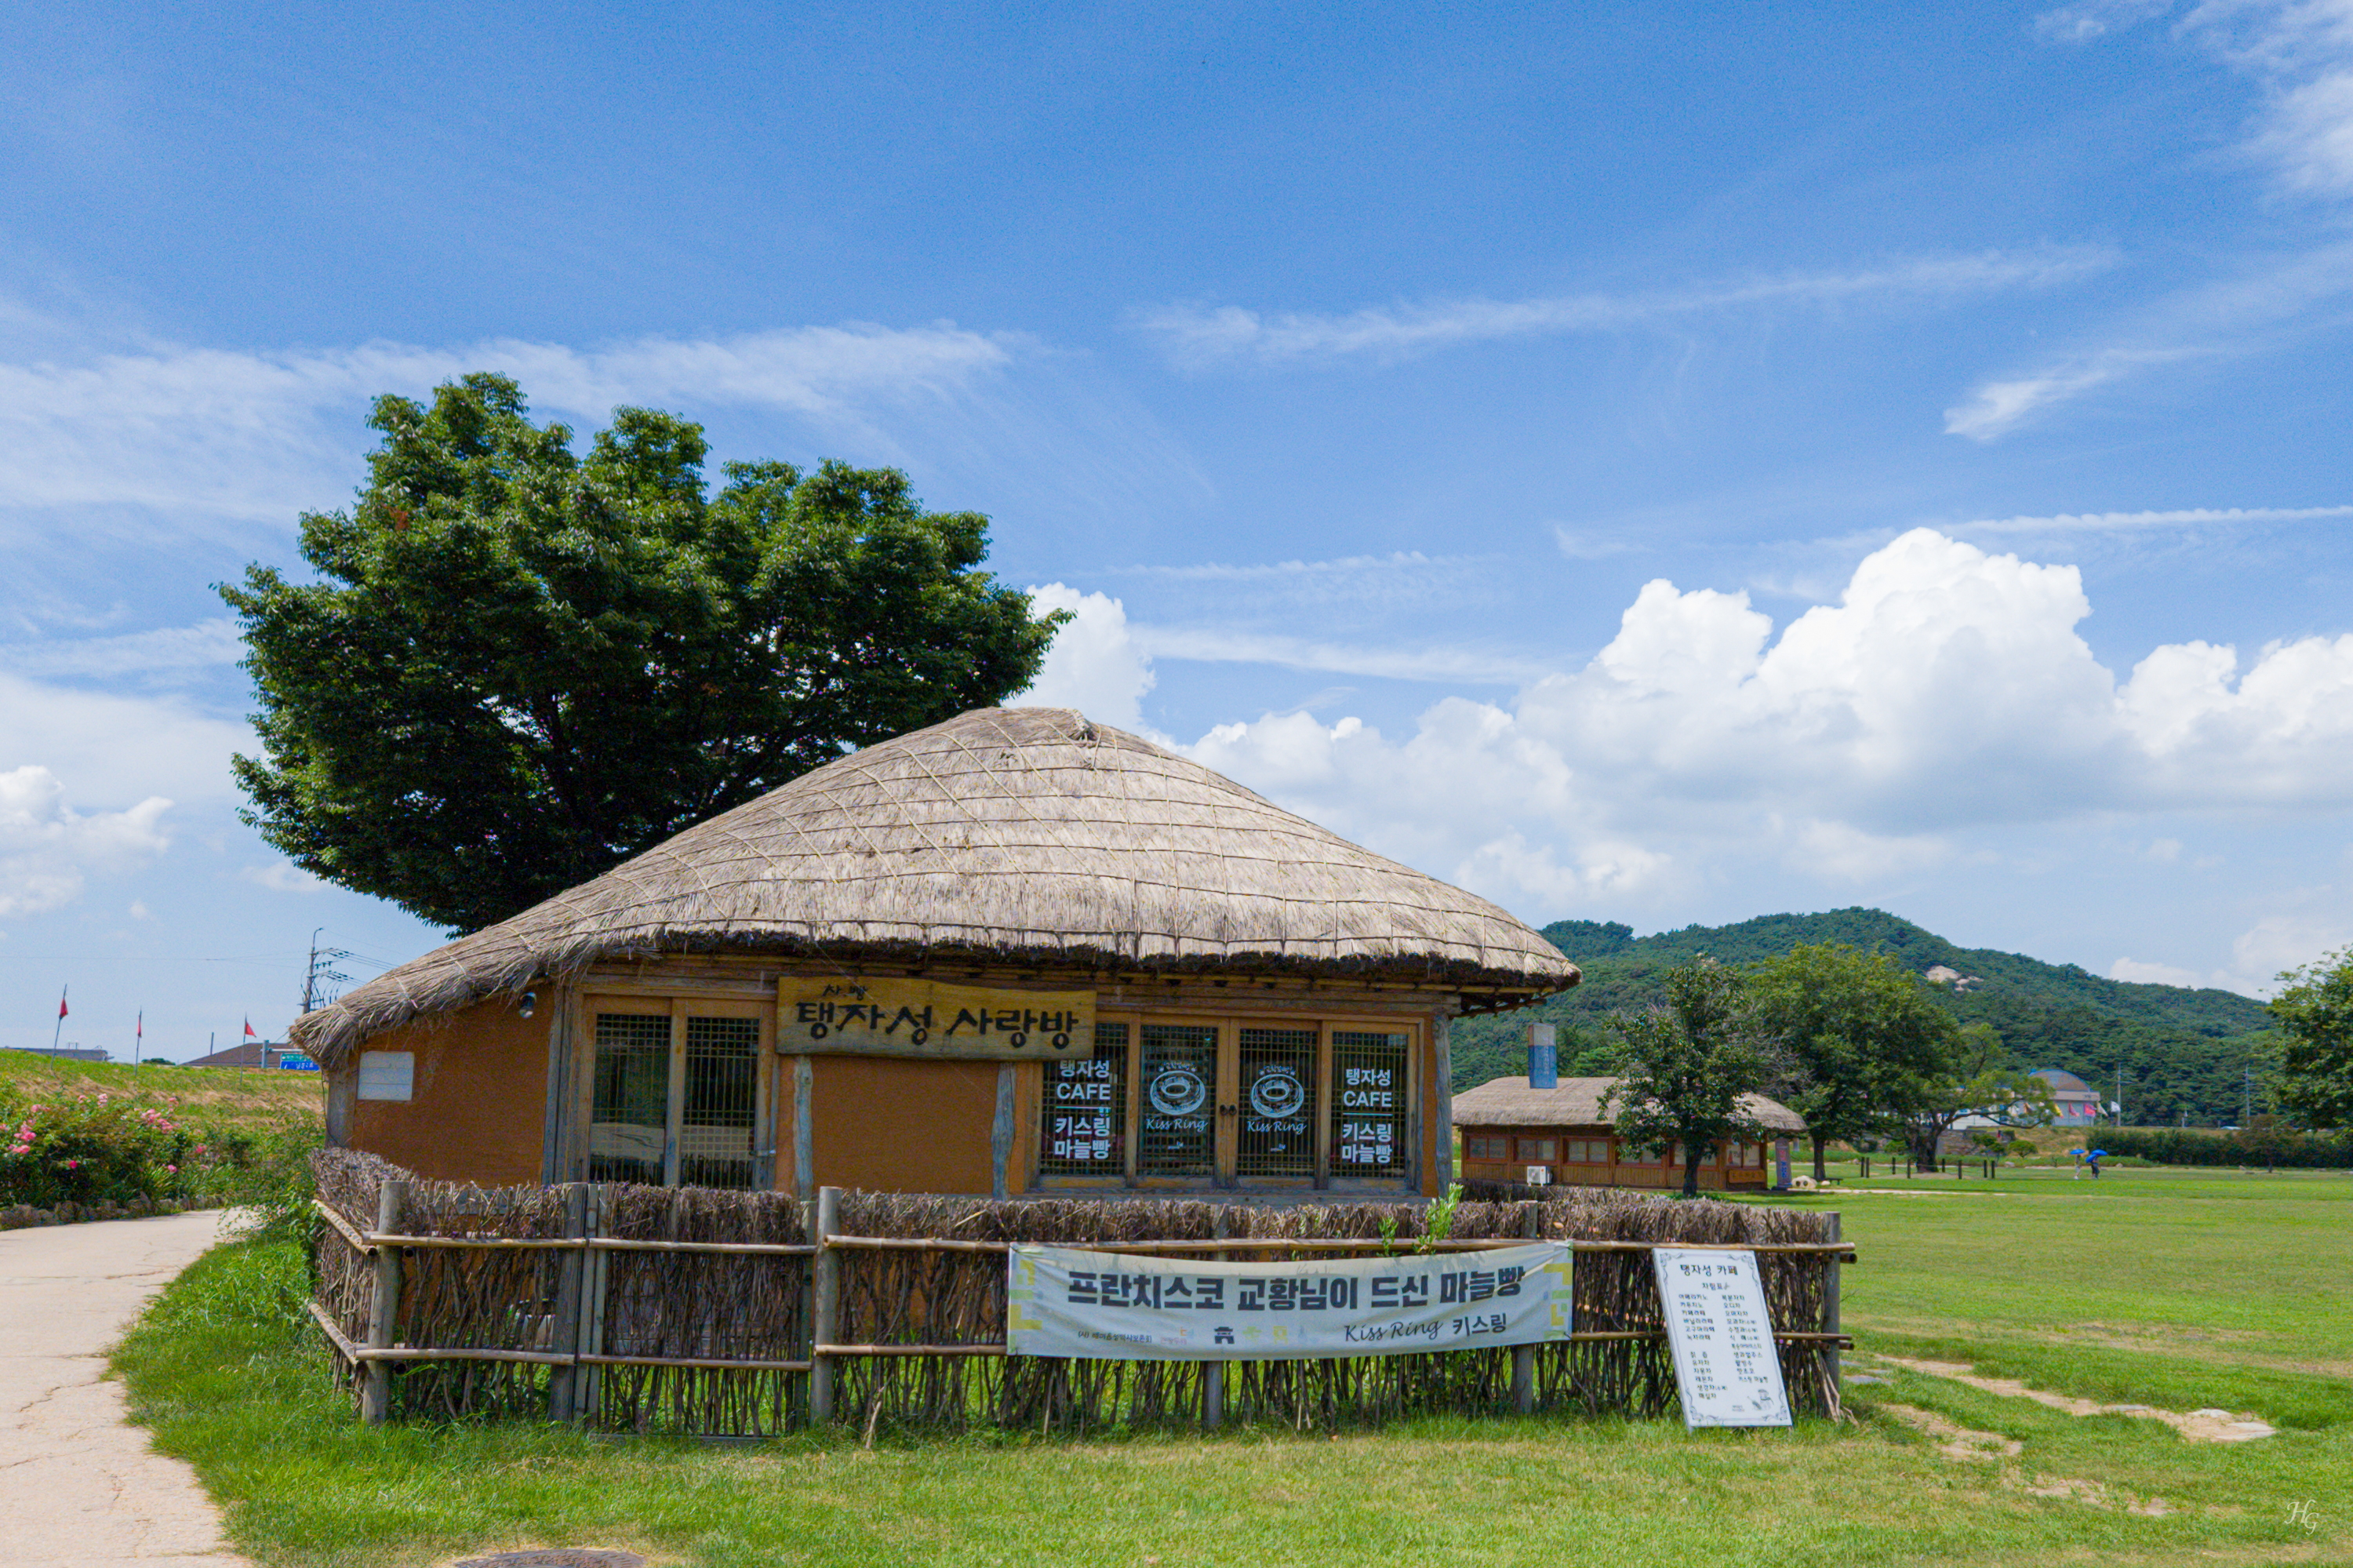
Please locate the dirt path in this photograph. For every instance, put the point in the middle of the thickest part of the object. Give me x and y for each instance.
(78, 1484)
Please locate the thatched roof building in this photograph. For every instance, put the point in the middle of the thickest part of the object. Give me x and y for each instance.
(1022, 835)
(1025, 850)
(1510, 1129)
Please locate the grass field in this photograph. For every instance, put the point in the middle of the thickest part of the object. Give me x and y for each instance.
(2185, 1292)
(213, 1096)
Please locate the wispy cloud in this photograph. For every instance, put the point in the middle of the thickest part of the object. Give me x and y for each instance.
(203, 645)
(2266, 303)
(1196, 337)
(1225, 645)
(2129, 522)
(255, 434)
(1284, 571)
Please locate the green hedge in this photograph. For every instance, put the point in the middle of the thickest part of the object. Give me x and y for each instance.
(2247, 1145)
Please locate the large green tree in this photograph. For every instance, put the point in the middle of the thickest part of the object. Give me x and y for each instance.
(1683, 1065)
(2315, 1012)
(1977, 1081)
(1866, 1032)
(518, 666)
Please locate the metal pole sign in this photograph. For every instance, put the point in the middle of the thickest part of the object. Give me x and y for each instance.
(1726, 1368)
(1102, 1306)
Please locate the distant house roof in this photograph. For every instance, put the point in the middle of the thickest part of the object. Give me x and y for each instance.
(2065, 1085)
(1509, 1102)
(251, 1053)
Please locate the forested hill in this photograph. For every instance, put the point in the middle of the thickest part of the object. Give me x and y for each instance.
(2182, 1050)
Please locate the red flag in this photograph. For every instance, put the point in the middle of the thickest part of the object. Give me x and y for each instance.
(249, 1035)
(61, 1004)
(140, 1030)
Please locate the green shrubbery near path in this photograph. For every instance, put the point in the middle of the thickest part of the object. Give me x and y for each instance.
(2242, 1146)
(79, 1148)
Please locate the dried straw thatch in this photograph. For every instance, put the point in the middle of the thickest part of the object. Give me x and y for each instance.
(1509, 1102)
(1022, 834)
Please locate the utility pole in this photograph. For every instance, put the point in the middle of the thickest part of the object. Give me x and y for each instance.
(2120, 1094)
(322, 970)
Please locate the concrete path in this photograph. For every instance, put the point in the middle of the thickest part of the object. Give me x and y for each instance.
(78, 1484)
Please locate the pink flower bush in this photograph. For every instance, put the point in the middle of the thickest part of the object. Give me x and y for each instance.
(95, 1147)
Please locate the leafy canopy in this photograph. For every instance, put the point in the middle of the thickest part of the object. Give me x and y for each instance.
(1866, 1032)
(1977, 1081)
(1683, 1065)
(2316, 1011)
(520, 667)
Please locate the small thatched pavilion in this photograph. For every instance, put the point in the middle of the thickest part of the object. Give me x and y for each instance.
(1014, 953)
(1509, 1128)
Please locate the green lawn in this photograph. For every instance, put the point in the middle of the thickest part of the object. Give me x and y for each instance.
(216, 1096)
(2153, 1288)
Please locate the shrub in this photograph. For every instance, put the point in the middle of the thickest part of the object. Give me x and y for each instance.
(98, 1147)
(2263, 1143)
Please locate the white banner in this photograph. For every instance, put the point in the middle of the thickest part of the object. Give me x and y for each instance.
(1107, 1306)
(1726, 1365)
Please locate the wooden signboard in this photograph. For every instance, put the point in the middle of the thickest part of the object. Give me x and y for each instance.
(1726, 1368)
(851, 1015)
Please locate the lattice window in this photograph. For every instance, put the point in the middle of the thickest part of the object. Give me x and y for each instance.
(1178, 1135)
(628, 1130)
(1487, 1146)
(1278, 1106)
(1083, 1130)
(717, 1123)
(1538, 1150)
(1368, 1102)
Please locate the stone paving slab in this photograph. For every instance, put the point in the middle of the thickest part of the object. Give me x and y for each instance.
(78, 1484)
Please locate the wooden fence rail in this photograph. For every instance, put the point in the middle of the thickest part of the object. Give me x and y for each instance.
(602, 1306)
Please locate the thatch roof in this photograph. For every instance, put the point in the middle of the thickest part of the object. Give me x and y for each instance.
(1023, 834)
(1509, 1102)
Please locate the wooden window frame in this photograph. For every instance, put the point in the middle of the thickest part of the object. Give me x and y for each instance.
(680, 1008)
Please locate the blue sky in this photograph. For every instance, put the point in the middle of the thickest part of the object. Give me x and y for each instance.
(1666, 465)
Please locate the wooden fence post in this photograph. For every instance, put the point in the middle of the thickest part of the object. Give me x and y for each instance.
(825, 1267)
(1831, 1316)
(1523, 1357)
(564, 1325)
(597, 1272)
(1213, 1373)
(383, 1313)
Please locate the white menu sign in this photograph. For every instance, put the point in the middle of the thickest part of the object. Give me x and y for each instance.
(1725, 1364)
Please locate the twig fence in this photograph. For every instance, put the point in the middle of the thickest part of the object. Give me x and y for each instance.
(715, 1313)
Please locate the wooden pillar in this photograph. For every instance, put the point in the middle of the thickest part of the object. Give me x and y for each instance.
(1830, 1317)
(1523, 1357)
(563, 1327)
(383, 1313)
(1213, 1373)
(824, 1315)
(1000, 1136)
(595, 1268)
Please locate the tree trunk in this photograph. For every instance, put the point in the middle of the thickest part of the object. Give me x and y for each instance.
(1691, 1170)
(1821, 1171)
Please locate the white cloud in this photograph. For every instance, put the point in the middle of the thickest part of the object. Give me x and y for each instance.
(262, 435)
(2137, 521)
(2134, 972)
(1233, 645)
(206, 644)
(47, 850)
(1999, 407)
(1094, 665)
(281, 877)
(1199, 337)
(2277, 943)
(116, 747)
(1945, 691)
